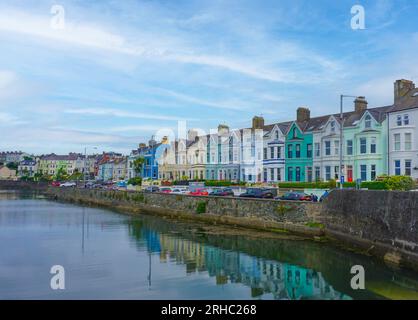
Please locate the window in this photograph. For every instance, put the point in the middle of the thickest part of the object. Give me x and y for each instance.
(373, 172)
(290, 151)
(290, 174)
(265, 175)
(317, 149)
(408, 141)
(373, 145)
(337, 147)
(271, 174)
(406, 119)
(317, 173)
(279, 174)
(309, 150)
(294, 133)
(350, 147)
(397, 138)
(276, 135)
(327, 148)
(363, 172)
(368, 122)
(279, 152)
(309, 173)
(397, 167)
(298, 151)
(408, 165)
(399, 120)
(332, 126)
(272, 153)
(363, 145)
(265, 153)
(336, 172)
(298, 174)
(327, 173)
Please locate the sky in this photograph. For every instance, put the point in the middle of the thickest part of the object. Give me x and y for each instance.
(118, 72)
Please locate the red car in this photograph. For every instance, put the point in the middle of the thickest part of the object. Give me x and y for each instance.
(55, 184)
(165, 190)
(199, 192)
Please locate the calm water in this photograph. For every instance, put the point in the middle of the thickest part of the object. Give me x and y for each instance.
(107, 255)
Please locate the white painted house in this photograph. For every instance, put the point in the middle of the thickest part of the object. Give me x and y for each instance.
(403, 130)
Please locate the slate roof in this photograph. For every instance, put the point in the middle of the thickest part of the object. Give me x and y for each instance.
(409, 101)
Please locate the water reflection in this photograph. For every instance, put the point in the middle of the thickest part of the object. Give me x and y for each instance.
(109, 255)
(281, 280)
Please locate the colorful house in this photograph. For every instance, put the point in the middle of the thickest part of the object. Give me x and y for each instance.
(299, 148)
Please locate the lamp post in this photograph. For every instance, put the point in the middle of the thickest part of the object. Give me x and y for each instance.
(342, 97)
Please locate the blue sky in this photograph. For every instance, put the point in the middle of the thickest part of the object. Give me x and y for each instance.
(120, 71)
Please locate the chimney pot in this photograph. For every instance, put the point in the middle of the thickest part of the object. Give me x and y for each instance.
(360, 104)
(303, 114)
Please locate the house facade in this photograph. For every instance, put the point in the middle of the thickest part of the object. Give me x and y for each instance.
(7, 174)
(299, 152)
(403, 130)
(27, 168)
(274, 144)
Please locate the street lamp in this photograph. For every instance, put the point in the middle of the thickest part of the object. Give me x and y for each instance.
(342, 97)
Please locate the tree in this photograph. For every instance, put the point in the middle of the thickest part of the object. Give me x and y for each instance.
(12, 165)
(138, 164)
(61, 174)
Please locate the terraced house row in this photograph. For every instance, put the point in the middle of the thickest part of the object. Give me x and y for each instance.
(371, 142)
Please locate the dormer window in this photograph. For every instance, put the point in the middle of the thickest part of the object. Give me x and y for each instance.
(368, 122)
(276, 134)
(332, 126)
(406, 119)
(294, 133)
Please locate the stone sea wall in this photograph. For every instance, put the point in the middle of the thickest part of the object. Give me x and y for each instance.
(385, 223)
(281, 216)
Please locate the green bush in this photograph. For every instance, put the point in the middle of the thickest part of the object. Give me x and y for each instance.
(402, 183)
(201, 207)
(137, 181)
(374, 185)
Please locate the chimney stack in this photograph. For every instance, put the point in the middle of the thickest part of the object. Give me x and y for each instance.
(258, 122)
(401, 88)
(360, 104)
(223, 129)
(303, 114)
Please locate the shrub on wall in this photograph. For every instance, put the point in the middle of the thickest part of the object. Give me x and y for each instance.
(201, 207)
(137, 181)
(403, 183)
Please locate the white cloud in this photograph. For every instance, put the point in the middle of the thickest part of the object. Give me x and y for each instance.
(121, 114)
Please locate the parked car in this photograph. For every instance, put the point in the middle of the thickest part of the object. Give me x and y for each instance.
(199, 192)
(178, 191)
(296, 196)
(223, 192)
(55, 184)
(165, 190)
(259, 193)
(68, 185)
(151, 189)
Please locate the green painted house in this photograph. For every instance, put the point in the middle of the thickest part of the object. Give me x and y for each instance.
(298, 149)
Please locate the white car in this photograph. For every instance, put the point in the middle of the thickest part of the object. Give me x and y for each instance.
(68, 184)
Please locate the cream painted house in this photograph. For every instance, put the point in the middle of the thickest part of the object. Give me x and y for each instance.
(7, 174)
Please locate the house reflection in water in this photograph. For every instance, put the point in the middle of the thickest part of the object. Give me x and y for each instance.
(263, 277)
